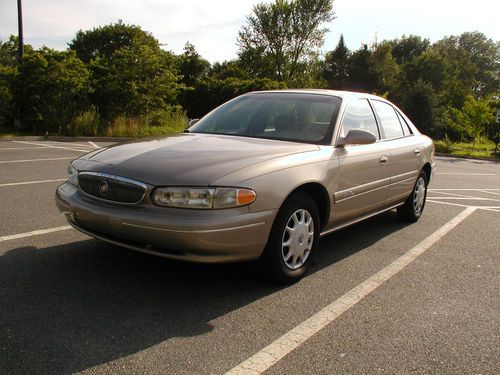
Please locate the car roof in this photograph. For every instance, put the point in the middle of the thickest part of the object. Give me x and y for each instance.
(338, 93)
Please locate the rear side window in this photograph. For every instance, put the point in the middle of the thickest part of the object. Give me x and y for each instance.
(404, 124)
(359, 115)
(391, 127)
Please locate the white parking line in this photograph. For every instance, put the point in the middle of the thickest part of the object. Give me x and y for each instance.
(29, 160)
(466, 198)
(52, 146)
(23, 148)
(34, 233)
(489, 192)
(463, 189)
(66, 143)
(278, 349)
(32, 182)
(469, 174)
(93, 144)
(463, 205)
(451, 194)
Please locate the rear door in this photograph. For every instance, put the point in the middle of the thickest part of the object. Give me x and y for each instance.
(404, 150)
(363, 176)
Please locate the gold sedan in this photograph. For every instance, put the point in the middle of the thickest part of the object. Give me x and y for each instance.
(263, 176)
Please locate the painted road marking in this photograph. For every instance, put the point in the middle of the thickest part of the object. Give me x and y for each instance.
(271, 354)
(463, 205)
(469, 174)
(28, 160)
(93, 144)
(52, 146)
(34, 233)
(489, 192)
(32, 182)
(67, 143)
(23, 148)
(452, 194)
(467, 198)
(463, 189)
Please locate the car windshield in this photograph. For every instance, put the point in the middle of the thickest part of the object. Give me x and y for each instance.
(294, 117)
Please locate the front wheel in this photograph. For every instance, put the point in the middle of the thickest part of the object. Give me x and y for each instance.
(293, 240)
(414, 205)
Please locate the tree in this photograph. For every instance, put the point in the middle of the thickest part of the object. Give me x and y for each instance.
(8, 73)
(408, 47)
(476, 115)
(130, 73)
(473, 119)
(135, 81)
(361, 76)
(460, 71)
(192, 67)
(419, 103)
(279, 38)
(50, 88)
(104, 41)
(336, 66)
(484, 53)
(227, 69)
(385, 67)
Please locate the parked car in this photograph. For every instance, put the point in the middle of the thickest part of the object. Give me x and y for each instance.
(263, 176)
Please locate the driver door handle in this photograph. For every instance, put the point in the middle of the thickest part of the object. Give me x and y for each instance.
(383, 159)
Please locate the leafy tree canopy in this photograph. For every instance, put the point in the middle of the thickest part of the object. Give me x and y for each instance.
(280, 36)
(103, 41)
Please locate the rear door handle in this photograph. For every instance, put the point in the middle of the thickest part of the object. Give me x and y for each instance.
(383, 159)
(417, 151)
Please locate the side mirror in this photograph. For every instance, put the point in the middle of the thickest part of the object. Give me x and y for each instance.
(357, 137)
(192, 122)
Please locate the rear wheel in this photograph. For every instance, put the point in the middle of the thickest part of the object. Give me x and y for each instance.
(414, 205)
(293, 240)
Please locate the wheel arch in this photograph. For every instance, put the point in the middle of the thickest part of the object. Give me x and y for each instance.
(428, 171)
(320, 196)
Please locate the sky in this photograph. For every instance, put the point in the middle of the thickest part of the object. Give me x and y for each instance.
(212, 25)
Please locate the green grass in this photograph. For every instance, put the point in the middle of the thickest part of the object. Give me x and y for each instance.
(90, 123)
(484, 148)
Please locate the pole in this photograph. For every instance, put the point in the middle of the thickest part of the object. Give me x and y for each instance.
(20, 51)
(20, 26)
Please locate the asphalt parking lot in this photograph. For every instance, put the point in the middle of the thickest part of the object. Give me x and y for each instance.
(383, 297)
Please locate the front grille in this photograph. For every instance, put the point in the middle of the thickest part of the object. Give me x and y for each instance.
(111, 188)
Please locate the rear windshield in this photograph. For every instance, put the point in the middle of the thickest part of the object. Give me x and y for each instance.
(307, 118)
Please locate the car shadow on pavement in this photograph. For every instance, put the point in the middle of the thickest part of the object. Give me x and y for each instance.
(70, 307)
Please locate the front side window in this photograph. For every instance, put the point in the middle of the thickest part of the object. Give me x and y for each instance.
(391, 127)
(359, 115)
(295, 117)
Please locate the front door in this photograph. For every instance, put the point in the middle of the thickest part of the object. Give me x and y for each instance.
(363, 176)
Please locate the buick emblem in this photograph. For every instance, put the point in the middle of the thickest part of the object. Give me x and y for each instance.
(103, 187)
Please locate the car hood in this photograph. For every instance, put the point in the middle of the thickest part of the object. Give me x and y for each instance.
(186, 159)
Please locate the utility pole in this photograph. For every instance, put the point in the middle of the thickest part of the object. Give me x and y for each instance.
(20, 52)
(20, 27)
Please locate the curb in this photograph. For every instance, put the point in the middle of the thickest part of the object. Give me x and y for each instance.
(496, 160)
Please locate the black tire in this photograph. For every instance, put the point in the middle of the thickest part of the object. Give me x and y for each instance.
(273, 263)
(415, 203)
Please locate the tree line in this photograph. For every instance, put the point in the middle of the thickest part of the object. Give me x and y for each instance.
(117, 77)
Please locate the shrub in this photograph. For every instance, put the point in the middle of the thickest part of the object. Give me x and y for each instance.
(123, 126)
(85, 123)
(160, 122)
(444, 145)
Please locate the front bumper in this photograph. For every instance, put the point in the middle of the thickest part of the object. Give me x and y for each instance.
(208, 236)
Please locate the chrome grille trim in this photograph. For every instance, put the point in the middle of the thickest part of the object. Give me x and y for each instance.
(107, 176)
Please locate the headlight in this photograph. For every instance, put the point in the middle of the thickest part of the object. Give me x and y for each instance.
(205, 198)
(72, 175)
